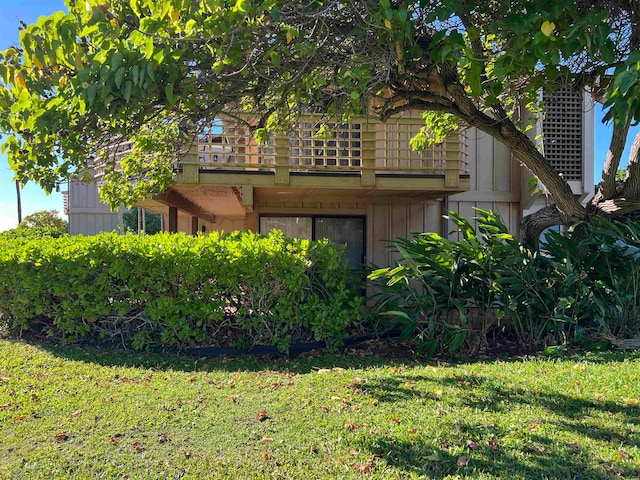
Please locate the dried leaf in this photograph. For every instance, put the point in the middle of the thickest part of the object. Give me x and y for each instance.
(463, 461)
(365, 468)
(266, 440)
(434, 457)
(60, 437)
(472, 445)
(162, 438)
(261, 416)
(350, 427)
(137, 446)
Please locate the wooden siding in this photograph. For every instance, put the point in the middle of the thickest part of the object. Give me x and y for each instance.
(495, 181)
(387, 221)
(91, 223)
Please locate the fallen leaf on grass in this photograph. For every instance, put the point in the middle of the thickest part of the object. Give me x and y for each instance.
(77, 413)
(60, 437)
(396, 420)
(630, 401)
(365, 468)
(261, 416)
(137, 446)
(434, 457)
(350, 427)
(493, 445)
(311, 448)
(265, 455)
(6, 406)
(162, 438)
(186, 454)
(463, 461)
(266, 440)
(21, 418)
(472, 445)
(323, 370)
(615, 470)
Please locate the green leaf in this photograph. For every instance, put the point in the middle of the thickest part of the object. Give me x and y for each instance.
(119, 76)
(168, 91)
(128, 86)
(91, 94)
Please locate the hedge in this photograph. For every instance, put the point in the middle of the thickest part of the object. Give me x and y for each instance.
(238, 289)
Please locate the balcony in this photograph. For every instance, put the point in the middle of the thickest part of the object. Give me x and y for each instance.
(364, 154)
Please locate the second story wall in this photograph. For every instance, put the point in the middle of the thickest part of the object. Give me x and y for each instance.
(87, 214)
(495, 181)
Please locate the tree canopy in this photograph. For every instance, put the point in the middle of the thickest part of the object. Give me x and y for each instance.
(155, 72)
(45, 219)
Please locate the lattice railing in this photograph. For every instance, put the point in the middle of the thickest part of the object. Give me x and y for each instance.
(363, 144)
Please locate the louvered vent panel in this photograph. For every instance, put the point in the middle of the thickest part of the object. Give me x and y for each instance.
(562, 127)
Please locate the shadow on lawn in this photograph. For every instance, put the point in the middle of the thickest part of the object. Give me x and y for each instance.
(539, 459)
(305, 363)
(541, 453)
(375, 353)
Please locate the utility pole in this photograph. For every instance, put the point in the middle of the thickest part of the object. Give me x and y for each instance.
(19, 202)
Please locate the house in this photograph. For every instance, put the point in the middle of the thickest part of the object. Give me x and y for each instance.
(361, 185)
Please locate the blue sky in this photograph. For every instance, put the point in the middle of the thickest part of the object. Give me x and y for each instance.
(34, 199)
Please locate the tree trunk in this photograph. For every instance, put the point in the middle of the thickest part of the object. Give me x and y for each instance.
(503, 129)
(631, 189)
(616, 147)
(533, 225)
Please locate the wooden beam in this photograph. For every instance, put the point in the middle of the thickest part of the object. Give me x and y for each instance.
(173, 219)
(194, 226)
(174, 199)
(244, 195)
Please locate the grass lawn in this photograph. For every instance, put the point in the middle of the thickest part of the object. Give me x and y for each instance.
(88, 413)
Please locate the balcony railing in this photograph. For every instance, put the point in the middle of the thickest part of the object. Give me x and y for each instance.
(363, 146)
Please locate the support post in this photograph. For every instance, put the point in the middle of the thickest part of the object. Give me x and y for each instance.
(194, 226)
(282, 161)
(173, 219)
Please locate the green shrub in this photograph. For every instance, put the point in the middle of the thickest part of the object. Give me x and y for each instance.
(581, 284)
(439, 282)
(171, 289)
(31, 233)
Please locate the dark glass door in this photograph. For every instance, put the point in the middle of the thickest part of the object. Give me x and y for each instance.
(347, 231)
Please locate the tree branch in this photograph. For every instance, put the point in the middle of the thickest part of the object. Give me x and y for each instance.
(631, 188)
(616, 147)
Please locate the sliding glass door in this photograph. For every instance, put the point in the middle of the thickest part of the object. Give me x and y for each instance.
(348, 231)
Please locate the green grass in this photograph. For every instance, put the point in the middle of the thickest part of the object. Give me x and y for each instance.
(88, 413)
